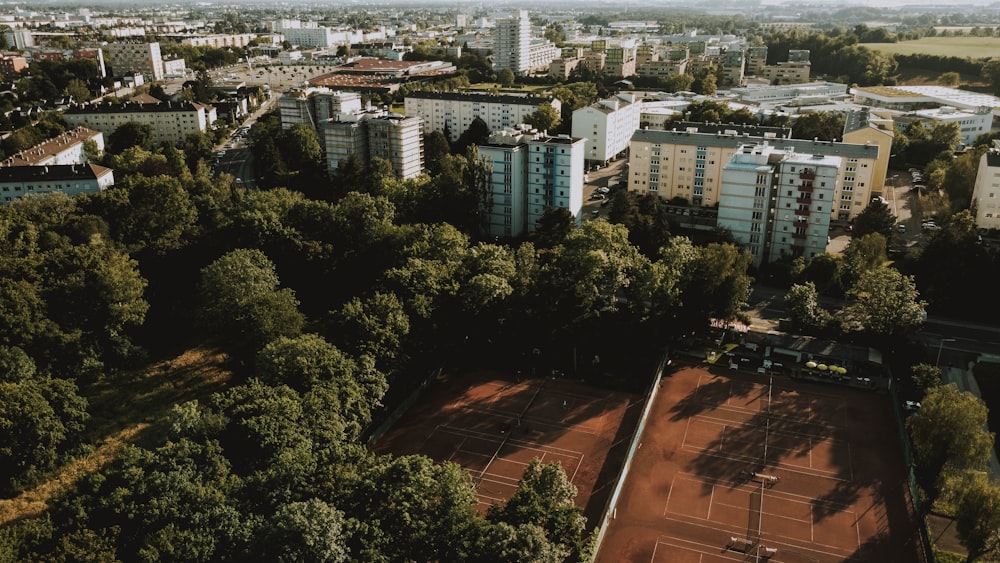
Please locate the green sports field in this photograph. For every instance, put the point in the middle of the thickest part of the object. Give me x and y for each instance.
(972, 47)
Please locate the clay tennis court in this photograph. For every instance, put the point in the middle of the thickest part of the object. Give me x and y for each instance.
(737, 466)
(494, 426)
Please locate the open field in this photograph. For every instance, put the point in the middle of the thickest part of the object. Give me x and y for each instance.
(493, 426)
(962, 47)
(736, 466)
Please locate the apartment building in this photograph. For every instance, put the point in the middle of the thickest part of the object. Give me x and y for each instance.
(787, 72)
(312, 106)
(687, 162)
(340, 139)
(532, 173)
(221, 40)
(11, 66)
(171, 122)
(607, 126)
(400, 140)
(453, 112)
(511, 43)
(560, 69)
(971, 123)
(756, 60)
(862, 127)
(620, 60)
(986, 192)
(70, 179)
(662, 69)
(731, 69)
(67, 148)
(776, 202)
(136, 57)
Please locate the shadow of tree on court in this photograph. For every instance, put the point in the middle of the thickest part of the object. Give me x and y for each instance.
(884, 547)
(711, 396)
(793, 428)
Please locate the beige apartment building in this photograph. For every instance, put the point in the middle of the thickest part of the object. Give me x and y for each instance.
(67, 148)
(171, 122)
(688, 162)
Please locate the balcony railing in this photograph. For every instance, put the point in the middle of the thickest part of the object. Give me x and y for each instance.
(799, 236)
(807, 175)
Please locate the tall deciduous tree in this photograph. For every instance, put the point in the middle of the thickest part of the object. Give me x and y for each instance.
(875, 218)
(545, 118)
(886, 303)
(243, 306)
(977, 516)
(804, 308)
(128, 135)
(545, 498)
(950, 430)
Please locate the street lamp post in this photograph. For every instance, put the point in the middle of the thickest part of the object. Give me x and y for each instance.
(937, 363)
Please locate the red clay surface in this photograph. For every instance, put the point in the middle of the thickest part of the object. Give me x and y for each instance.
(494, 426)
(829, 482)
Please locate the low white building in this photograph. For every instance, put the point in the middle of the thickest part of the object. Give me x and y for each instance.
(67, 148)
(986, 193)
(608, 126)
(971, 123)
(70, 179)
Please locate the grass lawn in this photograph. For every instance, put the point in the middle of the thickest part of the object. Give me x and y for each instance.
(962, 47)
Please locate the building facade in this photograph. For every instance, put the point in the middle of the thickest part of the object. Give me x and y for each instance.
(532, 173)
(67, 148)
(171, 122)
(454, 112)
(776, 203)
(134, 57)
(986, 193)
(511, 43)
(70, 179)
(688, 163)
(400, 140)
(607, 126)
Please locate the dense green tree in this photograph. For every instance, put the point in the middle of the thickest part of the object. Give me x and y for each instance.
(413, 509)
(865, 253)
(822, 125)
(478, 133)
(545, 498)
(505, 77)
(545, 118)
(131, 134)
(950, 430)
(374, 326)
(436, 147)
(804, 308)
(991, 72)
(311, 531)
(875, 218)
(553, 228)
(715, 283)
(886, 303)
(154, 213)
(824, 271)
(40, 418)
(243, 306)
(300, 147)
(926, 376)
(977, 516)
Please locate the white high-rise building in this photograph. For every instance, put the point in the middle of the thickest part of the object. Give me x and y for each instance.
(400, 140)
(776, 202)
(532, 173)
(512, 43)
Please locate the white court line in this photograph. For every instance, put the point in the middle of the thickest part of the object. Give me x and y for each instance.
(784, 495)
(711, 499)
(801, 545)
(666, 506)
(725, 422)
(578, 464)
(686, 428)
(702, 551)
(525, 444)
(850, 460)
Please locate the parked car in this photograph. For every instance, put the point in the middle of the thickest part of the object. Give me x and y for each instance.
(595, 213)
(911, 406)
(603, 190)
(901, 228)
